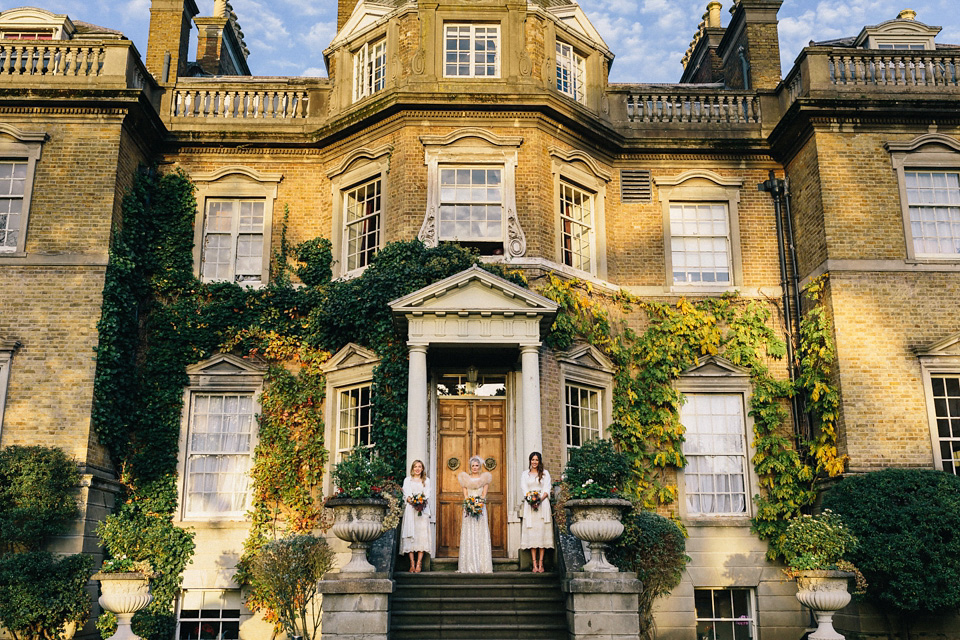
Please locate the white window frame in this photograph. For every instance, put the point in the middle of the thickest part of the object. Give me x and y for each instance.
(7, 349)
(350, 368)
(235, 183)
(223, 374)
(940, 359)
(370, 68)
(237, 230)
(343, 412)
(473, 147)
(187, 593)
(714, 375)
(474, 27)
(586, 367)
(496, 205)
(370, 241)
(579, 170)
(934, 152)
(17, 145)
(751, 604)
(702, 187)
(360, 166)
(571, 72)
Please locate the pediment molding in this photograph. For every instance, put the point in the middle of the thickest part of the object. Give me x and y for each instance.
(927, 139)
(22, 136)
(575, 155)
(227, 364)
(239, 171)
(365, 16)
(474, 291)
(947, 347)
(364, 153)
(698, 174)
(714, 367)
(587, 355)
(465, 133)
(349, 356)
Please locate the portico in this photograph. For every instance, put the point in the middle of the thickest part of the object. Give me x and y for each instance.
(470, 321)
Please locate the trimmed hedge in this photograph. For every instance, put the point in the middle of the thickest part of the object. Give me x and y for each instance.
(908, 525)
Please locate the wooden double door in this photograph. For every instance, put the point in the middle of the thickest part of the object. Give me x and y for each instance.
(470, 427)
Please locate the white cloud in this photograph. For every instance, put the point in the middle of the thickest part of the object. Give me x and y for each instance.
(319, 36)
(314, 72)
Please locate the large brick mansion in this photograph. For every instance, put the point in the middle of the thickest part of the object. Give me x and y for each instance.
(492, 123)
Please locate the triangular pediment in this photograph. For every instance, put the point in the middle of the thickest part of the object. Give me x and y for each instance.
(365, 15)
(351, 355)
(587, 355)
(474, 291)
(715, 367)
(226, 364)
(572, 16)
(949, 346)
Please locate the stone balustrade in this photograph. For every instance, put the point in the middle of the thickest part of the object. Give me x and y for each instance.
(109, 64)
(679, 105)
(232, 100)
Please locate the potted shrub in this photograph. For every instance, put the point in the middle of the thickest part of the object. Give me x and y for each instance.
(360, 504)
(124, 590)
(814, 548)
(593, 481)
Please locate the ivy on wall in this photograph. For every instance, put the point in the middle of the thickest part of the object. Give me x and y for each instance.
(671, 339)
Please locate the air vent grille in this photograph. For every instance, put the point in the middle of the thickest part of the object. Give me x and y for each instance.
(635, 185)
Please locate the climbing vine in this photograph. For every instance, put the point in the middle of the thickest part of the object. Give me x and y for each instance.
(671, 338)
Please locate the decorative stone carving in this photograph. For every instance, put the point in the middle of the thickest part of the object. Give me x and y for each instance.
(358, 521)
(516, 240)
(526, 65)
(428, 230)
(123, 594)
(418, 64)
(597, 522)
(825, 592)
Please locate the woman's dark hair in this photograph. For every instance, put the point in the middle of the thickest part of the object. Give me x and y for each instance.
(539, 466)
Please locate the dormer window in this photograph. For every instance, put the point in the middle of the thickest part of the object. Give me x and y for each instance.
(903, 33)
(570, 72)
(369, 68)
(29, 23)
(28, 35)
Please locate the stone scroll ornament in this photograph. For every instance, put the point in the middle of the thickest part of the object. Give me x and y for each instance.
(516, 240)
(428, 230)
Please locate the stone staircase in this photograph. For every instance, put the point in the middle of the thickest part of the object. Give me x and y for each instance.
(503, 605)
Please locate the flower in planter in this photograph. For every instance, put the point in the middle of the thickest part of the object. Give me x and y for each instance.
(123, 564)
(362, 474)
(595, 470)
(820, 543)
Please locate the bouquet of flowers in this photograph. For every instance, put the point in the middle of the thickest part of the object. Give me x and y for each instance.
(473, 506)
(533, 499)
(418, 502)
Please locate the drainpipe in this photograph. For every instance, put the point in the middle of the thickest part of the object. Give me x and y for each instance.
(744, 67)
(777, 190)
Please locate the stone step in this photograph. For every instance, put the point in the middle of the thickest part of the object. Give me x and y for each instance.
(442, 619)
(453, 602)
(543, 631)
(450, 564)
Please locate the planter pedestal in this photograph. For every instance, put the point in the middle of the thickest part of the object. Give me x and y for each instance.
(825, 593)
(602, 606)
(355, 606)
(358, 521)
(123, 594)
(597, 522)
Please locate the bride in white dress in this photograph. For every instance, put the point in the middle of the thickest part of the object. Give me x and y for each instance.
(475, 552)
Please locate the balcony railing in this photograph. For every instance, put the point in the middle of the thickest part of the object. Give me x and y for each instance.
(107, 63)
(243, 99)
(826, 70)
(697, 106)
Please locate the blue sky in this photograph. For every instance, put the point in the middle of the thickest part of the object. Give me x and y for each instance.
(649, 37)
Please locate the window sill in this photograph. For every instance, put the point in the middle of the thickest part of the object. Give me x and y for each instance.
(209, 523)
(718, 521)
(719, 289)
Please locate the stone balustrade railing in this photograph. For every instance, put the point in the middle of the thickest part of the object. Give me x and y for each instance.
(107, 63)
(892, 68)
(219, 100)
(704, 106)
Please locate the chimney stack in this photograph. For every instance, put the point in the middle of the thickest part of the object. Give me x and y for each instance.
(221, 50)
(169, 36)
(344, 9)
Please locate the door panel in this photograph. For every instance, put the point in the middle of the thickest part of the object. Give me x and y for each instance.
(470, 427)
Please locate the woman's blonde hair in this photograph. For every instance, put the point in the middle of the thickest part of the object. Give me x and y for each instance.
(479, 461)
(423, 474)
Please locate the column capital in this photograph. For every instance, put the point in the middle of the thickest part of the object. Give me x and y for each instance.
(530, 348)
(417, 347)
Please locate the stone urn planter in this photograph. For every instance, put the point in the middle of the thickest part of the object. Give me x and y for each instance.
(597, 522)
(358, 521)
(124, 594)
(825, 593)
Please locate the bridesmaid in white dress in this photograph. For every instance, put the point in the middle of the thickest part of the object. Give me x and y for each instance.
(475, 551)
(536, 532)
(415, 532)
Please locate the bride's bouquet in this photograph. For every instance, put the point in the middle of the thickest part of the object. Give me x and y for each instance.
(418, 502)
(473, 506)
(533, 499)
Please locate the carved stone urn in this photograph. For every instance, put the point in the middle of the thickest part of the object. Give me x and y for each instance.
(124, 594)
(825, 593)
(358, 521)
(597, 522)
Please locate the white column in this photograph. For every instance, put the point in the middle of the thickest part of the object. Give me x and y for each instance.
(417, 404)
(530, 371)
